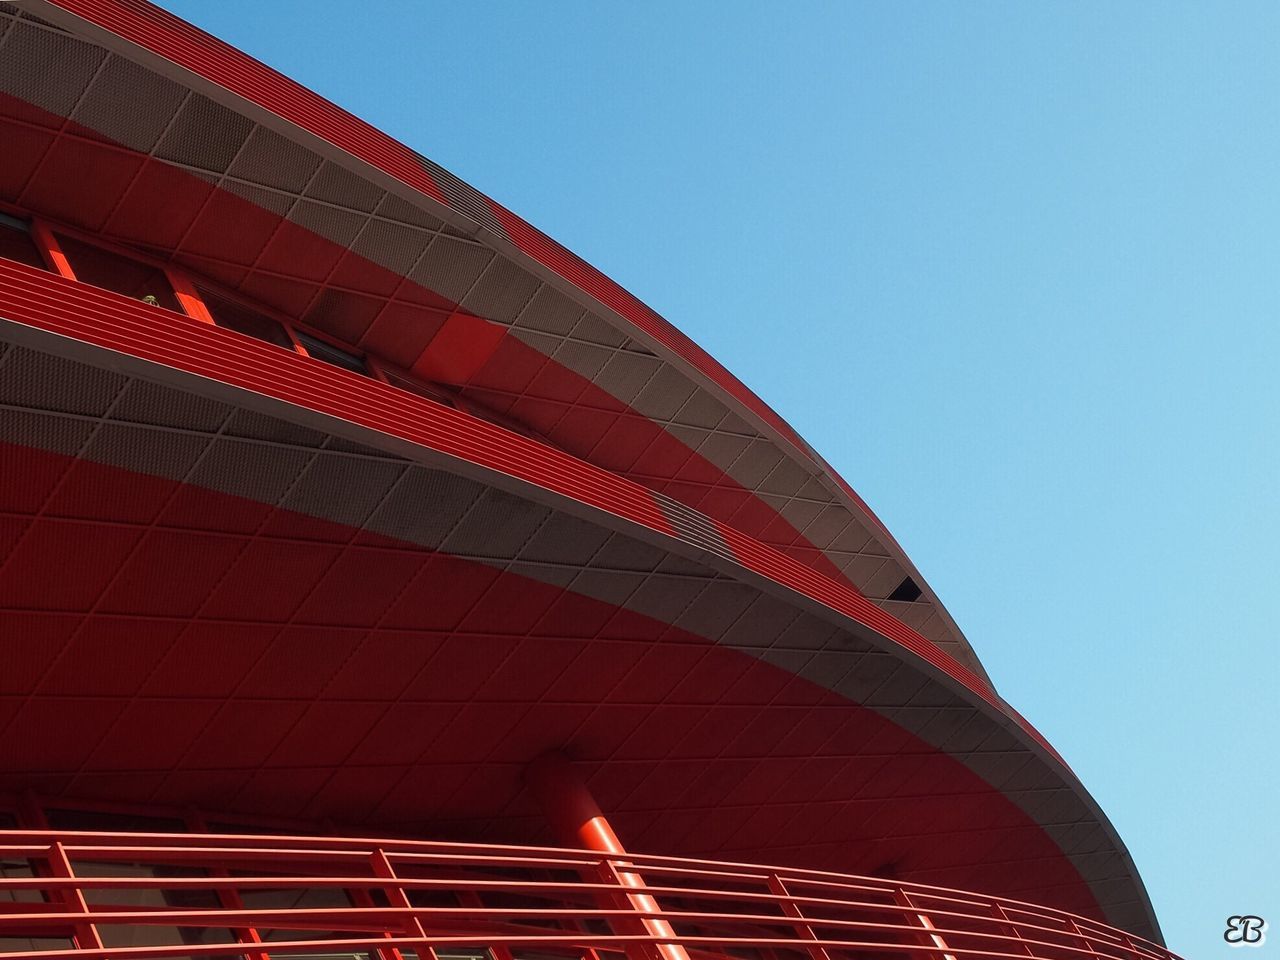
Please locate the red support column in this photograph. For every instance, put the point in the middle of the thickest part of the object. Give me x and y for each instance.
(51, 250)
(578, 822)
(189, 298)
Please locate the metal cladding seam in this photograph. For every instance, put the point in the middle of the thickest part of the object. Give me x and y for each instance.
(35, 298)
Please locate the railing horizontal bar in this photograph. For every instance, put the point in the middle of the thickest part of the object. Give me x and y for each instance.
(963, 917)
(246, 918)
(504, 885)
(470, 940)
(346, 918)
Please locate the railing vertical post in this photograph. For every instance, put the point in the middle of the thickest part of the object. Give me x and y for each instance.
(1084, 938)
(86, 934)
(931, 935)
(469, 898)
(228, 897)
(1001, 914)
(792, 909)
(383, 870)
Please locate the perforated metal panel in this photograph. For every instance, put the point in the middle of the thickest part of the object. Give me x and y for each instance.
(501, 292)
(27, 51)
(45, 382)
(128, 104)
(550, 311)
(450, 266)
(204, 135)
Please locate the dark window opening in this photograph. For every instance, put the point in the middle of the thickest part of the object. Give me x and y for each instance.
(906, 591)
(242, 319)
(16, 242)
(332, 355)
(111, 271)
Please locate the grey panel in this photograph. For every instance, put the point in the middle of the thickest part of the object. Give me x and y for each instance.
(594, 330)
(340, 226)
(391, 245)
(807, 632)
(341, 489)
(336, 185)
(550, 311)
(785, 479)
(501, 292)
(666, 598)
(152, 403)
(623, 553)
(47, 382)
(253, 470)
(585, 359)
(722, 449)
(625, 375)
(129, 104)
(394, 208)
(45, 431)
(165, 454)
(498, 525)
(27, 48)
(719, 605)
(755, 463)
(702, 410)
(610, 586)
(274, 161)
(666, 392)
(564, 539)
(762, 623)
(450, 267)
(259, 426)
(425, 507)
(205, 135)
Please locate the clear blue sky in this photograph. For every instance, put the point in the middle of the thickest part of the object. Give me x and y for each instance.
(1013, 268)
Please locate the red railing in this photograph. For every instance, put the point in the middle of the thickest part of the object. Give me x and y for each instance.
(84, 896)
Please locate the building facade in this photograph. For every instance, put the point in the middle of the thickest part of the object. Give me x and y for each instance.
(337, 502)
